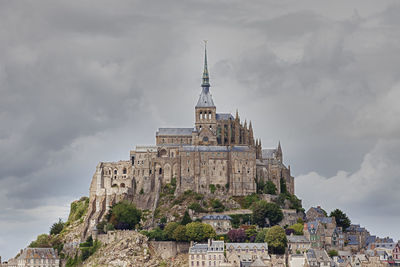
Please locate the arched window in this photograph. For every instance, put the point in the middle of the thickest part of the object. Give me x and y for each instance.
(122, 185)
(124, 171)
(160, 171)
(115, 171)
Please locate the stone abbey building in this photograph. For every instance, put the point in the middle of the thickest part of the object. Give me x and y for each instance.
(220, 151)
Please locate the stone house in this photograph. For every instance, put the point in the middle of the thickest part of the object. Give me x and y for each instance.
(210, 254)
(43, 257)
(298, 243)
(361, 235)
(317, 257)
(221, 223)
(314, 212)
(314, 231)
(243, 254)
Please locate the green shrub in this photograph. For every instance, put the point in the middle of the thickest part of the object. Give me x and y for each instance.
(212, 188)
(125, 215)
(196, 207)
(217, 205)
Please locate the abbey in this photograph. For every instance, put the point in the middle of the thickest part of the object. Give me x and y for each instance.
(219, 152)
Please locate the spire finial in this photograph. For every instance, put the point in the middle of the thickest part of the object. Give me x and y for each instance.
(206, 78)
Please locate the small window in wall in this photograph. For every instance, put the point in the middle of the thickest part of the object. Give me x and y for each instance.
(210, 127)
(115, 171)
(124, 171)
(160, 171)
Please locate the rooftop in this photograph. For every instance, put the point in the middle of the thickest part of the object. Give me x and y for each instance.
(216, 217)
(175, 131)
(38, 253)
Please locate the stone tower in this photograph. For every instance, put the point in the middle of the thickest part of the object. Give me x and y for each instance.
(205, 111)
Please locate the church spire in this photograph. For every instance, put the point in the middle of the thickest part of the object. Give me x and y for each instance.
(206, 78)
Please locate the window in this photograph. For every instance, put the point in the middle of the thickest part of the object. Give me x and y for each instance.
(115, 171)
(124, 171)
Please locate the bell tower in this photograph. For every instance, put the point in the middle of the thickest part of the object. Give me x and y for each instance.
(205, 110)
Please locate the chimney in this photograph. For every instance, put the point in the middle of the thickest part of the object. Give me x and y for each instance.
(209, 242)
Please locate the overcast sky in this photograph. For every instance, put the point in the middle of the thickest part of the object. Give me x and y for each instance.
(86, 81)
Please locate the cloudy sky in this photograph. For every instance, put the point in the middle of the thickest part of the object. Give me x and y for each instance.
(86, 81)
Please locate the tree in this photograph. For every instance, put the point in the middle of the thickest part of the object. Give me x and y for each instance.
(341, 219)
(186, 218)
(297, 228)
(125, 216)
(57, 227)
(156, 234)
(237, 235)
(276, 239)
(169, 230)
(333, 253)
(270, 188)
(197, 231)
(260, 237)
(179, 233)
(263, 210)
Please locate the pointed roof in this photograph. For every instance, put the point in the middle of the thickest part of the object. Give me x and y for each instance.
(205, 99)
(258, 263)
(206, 78)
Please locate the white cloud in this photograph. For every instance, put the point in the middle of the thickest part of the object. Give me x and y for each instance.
(371, 191)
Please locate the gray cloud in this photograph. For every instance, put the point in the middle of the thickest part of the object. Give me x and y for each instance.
(86, 81)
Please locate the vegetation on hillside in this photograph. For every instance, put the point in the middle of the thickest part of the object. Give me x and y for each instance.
(78, 210)
(266, 214)
(193, 231)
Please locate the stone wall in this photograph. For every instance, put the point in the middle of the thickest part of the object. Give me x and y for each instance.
(169, 249)
(113, 236)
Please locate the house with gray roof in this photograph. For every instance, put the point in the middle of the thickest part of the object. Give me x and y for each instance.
(318, 257)
(244, 254)
(220, 223)
(209, 254)
(298, 244)
(44, 257)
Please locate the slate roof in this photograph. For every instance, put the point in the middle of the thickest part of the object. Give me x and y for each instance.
(224, 116)
(353, 240)
(297, 239)
(215, 149)
(324, 220)
(268, 153)
(247, 245)
(317, 255)
(205, 99)
(175, 131)
(216, 217)
(319, 210)
(258, 263)
(198, 248)
(38, 253)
